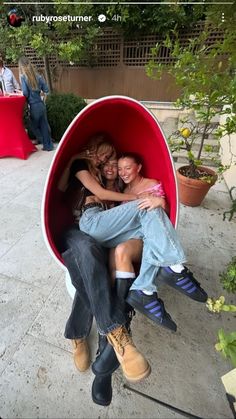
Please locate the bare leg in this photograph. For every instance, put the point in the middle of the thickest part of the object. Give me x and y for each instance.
(123, 257)
(128, 253)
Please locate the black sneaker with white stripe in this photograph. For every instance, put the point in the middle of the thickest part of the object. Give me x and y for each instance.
(152, 307)
(184, 282)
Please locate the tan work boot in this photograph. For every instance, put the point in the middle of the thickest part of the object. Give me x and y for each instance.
(135, 367)
(81, 354)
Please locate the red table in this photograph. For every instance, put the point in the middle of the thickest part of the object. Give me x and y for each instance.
(14, 142)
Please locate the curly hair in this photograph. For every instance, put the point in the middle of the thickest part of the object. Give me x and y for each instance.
(97, 144)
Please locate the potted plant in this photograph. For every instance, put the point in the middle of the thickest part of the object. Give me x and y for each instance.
(194, 180)
(205, 74)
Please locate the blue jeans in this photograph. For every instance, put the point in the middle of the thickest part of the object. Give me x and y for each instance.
(161, 246)
(39, 122)
(86, 261)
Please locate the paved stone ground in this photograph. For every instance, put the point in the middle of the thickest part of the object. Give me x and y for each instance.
(37, 375)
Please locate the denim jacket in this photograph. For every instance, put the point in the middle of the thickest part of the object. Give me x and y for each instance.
(33, 96)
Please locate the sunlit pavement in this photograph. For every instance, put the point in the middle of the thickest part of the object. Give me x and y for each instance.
(37, 375)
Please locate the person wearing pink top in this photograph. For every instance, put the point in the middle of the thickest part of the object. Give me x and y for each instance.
(123, 262)
(126, 254)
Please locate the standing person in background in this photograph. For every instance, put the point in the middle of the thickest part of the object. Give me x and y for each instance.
(32, 86)
(8, 80)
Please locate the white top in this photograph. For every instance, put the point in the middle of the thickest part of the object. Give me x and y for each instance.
(8, 80)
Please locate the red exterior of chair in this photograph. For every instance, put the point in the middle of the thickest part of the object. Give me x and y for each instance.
(132, 128)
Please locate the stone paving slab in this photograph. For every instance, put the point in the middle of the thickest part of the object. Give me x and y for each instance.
(37, 375)
(40, 381)
(185, 366)
(30, 196)
(50, 323)
(213, 231)
(19, 307)
(30, 261)
(15, 221)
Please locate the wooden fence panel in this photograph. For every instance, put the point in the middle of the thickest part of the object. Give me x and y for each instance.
(117, 66)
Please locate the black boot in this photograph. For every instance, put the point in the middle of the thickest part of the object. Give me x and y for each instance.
(122, 286)
(102, 390)
(106, 362)
(102, 341)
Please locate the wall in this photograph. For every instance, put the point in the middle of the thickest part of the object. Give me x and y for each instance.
(228, 156)
(98, 82)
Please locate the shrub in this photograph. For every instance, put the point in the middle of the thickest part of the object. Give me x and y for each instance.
(228, 277)
(61, 110)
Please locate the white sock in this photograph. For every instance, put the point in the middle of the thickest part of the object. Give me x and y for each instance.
(177, 268)
(147, 292)
(124, 275)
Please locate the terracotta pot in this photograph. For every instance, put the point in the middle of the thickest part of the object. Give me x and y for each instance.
(193, 191)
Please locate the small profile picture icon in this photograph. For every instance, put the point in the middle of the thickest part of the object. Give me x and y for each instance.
(15, 17)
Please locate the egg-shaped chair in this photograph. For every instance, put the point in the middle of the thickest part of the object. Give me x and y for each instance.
(132, 128)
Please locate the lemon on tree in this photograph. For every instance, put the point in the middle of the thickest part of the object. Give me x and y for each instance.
(185, 132)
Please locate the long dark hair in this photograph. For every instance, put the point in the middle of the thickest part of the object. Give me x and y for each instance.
(98, 142)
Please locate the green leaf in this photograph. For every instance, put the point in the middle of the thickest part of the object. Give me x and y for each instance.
(228, 277)
(227, 345)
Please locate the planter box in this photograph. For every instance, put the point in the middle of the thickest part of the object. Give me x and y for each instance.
(229, 381)
(193, 191)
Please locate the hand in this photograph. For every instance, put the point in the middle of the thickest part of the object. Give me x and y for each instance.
(142, 195)
(151, 202)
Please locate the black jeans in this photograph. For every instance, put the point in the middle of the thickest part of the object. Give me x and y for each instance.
(86, 261)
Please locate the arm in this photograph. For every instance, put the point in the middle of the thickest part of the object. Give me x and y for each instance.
(64, 179)
(15, 83)
(43, 85)
(154, 197)
(153, 202)
(93, 186)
